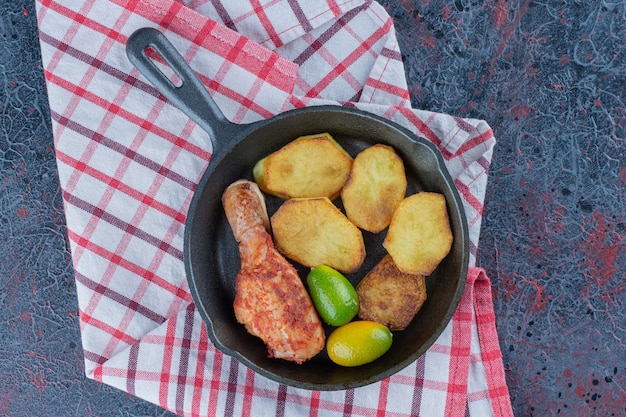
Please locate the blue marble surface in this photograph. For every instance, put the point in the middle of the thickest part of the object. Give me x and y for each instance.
(548, 76)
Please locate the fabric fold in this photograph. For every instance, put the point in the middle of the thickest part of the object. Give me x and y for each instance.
(274, 24)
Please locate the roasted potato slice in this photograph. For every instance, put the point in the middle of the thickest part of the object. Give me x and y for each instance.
(375, 187)
(389, 296)
(307, 167)
(314, 231)
(419, 235)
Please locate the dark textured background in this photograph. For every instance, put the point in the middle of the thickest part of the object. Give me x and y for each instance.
(548, 76)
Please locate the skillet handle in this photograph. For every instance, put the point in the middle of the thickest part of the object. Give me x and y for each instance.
(191, 97)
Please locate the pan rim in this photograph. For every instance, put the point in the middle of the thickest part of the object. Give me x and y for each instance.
(243, 131)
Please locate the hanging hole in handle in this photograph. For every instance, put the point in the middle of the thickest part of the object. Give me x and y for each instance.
(163, 66)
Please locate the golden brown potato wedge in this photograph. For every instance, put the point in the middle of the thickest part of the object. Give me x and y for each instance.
(314, 231)
(419, 236)
(307, 167)
(375, 187)
(389, 296)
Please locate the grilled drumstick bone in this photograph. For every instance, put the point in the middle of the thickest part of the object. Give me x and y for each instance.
(270, 299)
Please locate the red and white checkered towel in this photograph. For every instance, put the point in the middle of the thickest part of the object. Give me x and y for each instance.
(129, 162)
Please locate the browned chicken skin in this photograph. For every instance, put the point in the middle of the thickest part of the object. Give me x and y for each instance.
(270, 299)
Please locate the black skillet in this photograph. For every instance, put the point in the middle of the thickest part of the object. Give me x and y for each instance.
(211, 255)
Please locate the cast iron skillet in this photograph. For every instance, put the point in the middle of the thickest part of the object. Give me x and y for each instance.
(211, 254)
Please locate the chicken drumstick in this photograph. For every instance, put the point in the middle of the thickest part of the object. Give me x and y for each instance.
(270, 299)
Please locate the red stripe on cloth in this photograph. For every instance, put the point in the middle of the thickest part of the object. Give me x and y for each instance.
(216, 371)
(473, 249)
(456, 399)
(484, 162)
(248, 394)
(348, 402)
(489, 346)
(125, 240)
(424, 130)
(382, 397)
(303, 20)
(328, 34)
(340, 67)
(80, 17)
(265, 73)
(392, 55)
(168, 355)
(170, 16)
(468, 196)
(95, 358)
(478, 396)
(463, 124)
(183, 359)
(245, 101)
(97, 371)
(122, 225)
(129, 153)
(237, 54)
(475, 141)
(216, 83)
(60, 45)
(119, 298)
(314, 405)
(214, 38)
(129, 116)
(388, 88)
(97, 300)
(199, 377)
(259, 10)
(81, 167)
(131, 373)
(297, 102)
(114, 332)
(129, 266)
(222, 13)
(332, 5)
